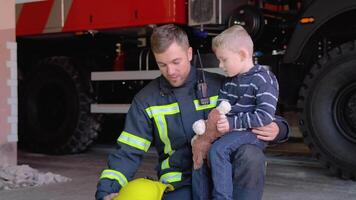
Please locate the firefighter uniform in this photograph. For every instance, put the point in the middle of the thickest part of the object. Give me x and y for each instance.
(162, 116)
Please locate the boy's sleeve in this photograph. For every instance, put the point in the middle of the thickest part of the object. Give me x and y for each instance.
(132, 143)
(284, 130)
(266, 93)
(223, 93)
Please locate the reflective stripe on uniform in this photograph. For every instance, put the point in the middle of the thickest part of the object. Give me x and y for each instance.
(212, 104)
(168, 109)
(165, 164)
(134, 141)
(114, 175)
(171, 177)
(158, 113)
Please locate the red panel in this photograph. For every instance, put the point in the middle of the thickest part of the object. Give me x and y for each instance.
(105, 14)
(94, 14)
(78, 16)
(160, 11)
(33, 17)
(181, 12)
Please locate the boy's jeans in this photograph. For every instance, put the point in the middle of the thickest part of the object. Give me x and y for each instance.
(237, 165)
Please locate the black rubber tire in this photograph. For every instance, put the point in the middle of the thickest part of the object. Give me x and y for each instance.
(57, 109)
(327, 107)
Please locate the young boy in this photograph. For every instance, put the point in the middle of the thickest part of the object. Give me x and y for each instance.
(252, 92)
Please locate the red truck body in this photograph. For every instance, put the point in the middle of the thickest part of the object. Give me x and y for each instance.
(55, 16)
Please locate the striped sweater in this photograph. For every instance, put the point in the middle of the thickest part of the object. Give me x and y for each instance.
(253, 97)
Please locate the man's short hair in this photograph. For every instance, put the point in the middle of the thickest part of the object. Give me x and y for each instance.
(163, 36)
(233, 39)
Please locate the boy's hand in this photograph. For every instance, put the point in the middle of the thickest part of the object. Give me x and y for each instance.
(223, 124)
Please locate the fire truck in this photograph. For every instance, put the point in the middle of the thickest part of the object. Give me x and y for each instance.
(78, 59)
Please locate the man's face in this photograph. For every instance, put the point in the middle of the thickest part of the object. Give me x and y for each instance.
(174, 64)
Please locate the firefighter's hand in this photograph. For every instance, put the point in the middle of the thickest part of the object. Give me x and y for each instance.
(268, 132)
(223, 124)
(110, 196)
(200, 150)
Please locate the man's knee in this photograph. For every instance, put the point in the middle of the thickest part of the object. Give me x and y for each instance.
(250, 155)
(248, 166)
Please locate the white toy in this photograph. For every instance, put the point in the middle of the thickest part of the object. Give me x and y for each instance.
(199, 127)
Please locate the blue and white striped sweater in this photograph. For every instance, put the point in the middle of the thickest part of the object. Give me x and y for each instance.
(253, 97)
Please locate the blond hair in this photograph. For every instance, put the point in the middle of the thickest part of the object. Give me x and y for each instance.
(163, 36)
(233, 39)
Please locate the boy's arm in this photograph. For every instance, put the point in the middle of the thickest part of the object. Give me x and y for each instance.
(266, 90)
(223, 95)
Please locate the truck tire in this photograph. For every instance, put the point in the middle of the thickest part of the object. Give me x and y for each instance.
(56, 109)
(327, 107)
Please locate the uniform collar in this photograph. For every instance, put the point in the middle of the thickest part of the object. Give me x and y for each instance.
(166, 88)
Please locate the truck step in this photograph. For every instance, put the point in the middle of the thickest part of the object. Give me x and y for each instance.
(122, 76)
(109, 108)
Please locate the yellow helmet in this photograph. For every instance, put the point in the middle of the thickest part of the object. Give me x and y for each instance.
(143, 189)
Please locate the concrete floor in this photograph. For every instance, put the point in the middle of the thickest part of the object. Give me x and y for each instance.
(288, 177)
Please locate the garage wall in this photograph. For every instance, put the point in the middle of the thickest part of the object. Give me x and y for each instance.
(8, 84)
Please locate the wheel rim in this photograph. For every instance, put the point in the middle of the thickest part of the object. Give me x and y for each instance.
(345, 112)
(249, 18)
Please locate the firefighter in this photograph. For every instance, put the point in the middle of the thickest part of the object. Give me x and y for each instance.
(162, 114)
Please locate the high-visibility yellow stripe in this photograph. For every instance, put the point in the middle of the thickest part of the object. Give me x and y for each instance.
(212, 104)
(165, 164)
(171, 177)
(114, 175)
(134, 141)
(161, 123)
(158, 114)
(168, 109)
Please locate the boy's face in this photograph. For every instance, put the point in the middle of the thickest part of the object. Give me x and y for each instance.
(174, 64)
(229, 61)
